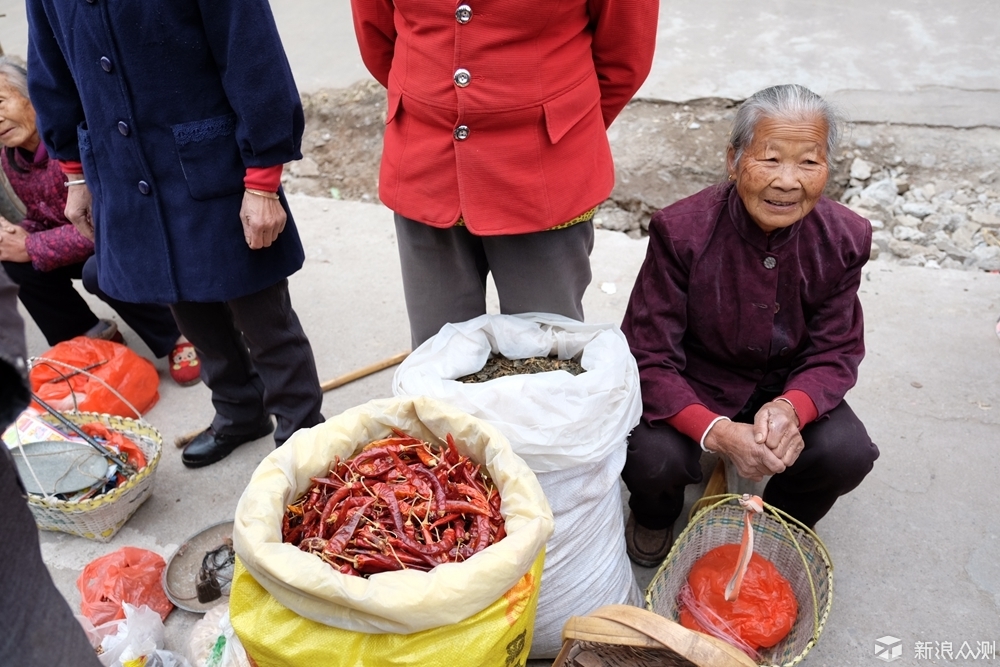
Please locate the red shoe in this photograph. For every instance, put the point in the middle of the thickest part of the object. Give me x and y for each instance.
(185, 368)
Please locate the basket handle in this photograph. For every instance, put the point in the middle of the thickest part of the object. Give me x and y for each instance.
(698, 648)
(33, 361)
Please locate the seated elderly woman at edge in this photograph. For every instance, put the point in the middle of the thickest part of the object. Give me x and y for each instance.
(747, 328)
(44, 253)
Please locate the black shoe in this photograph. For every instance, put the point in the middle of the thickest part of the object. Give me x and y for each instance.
(209, 446)
(647, 547)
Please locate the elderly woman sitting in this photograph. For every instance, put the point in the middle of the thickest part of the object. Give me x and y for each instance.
(44, 253)
(747, 328)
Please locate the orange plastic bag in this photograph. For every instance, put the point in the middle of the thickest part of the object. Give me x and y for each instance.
(128, 575)
(56, 380)
(761, 616)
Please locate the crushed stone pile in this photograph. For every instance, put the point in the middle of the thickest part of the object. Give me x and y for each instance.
(935, 225)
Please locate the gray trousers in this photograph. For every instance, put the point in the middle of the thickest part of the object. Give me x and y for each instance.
(444, 273)
(256, 359)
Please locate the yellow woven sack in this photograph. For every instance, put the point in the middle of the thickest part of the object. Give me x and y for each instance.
(275, 636)
(405, 604)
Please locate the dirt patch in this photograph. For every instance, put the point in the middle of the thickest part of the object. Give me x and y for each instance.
(663, 152)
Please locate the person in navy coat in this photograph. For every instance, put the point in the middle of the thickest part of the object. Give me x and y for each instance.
(172, 119)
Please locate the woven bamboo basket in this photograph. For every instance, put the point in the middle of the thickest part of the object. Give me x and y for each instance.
(100, 517)
(623, 636)
(795, 550)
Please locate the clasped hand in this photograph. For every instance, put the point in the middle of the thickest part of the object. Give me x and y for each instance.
(766, 447)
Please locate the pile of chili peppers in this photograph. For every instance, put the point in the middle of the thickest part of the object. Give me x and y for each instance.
(397, 504)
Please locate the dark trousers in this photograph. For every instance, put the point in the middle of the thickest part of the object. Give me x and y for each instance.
(444, 273)
(661, 462)
(61, 312)
(256, 359)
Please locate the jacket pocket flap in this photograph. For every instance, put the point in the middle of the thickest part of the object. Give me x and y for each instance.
(395, 97)
(565, 111)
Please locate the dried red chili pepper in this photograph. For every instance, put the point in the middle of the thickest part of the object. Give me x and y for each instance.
(398, 504)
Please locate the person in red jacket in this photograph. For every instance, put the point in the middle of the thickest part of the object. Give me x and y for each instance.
(496, 153)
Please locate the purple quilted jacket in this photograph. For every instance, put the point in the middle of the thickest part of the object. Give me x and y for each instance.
(52, 241)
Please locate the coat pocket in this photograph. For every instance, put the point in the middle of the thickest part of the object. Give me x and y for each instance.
(210, 157)
(565, 111)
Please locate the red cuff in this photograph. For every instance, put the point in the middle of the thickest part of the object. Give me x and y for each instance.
(267, 179)
(804, 406)
(692, 421)
(70, 167)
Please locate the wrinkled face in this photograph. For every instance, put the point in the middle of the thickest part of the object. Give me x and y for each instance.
(17, 118)
(782, 173)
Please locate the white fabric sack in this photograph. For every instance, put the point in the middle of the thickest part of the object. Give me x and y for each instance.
(404, 601)
(570, 430)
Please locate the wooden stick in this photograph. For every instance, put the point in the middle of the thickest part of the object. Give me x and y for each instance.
(363, 372)
(340, 381)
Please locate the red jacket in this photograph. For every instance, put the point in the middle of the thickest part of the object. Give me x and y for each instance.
(523, 145)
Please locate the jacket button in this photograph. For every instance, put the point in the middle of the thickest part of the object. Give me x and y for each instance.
(105, 63)
(463, 14)
(770, 262)
(461, 133)
(144, 187)
(462, 78)
(123, 128)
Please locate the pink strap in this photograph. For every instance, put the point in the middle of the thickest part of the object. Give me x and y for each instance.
(751, 505)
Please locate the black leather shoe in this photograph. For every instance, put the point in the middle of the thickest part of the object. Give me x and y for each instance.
(209, 446)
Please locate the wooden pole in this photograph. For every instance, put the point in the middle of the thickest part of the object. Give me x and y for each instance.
(340, 381)
(363, 372)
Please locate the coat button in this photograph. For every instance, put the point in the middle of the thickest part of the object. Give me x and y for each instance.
(463, 14)
(770, 262)
(461, 133)
(105, 63)
(462, 78)
(144, 187)
(123, 128)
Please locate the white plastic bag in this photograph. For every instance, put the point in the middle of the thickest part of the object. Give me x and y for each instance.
(213, 642)
(570, 430)
(135, 641)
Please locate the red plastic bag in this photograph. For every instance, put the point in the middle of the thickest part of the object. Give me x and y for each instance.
(54, 377)
(760, 617)
(128, 575)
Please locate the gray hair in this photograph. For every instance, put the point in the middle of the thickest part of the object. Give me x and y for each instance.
(789, 102)
(16, 75)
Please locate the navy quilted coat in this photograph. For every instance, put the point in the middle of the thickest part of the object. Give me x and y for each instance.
(166, 102)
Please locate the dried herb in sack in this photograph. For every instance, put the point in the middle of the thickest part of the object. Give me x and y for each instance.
(500, 366)
(398, 504)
